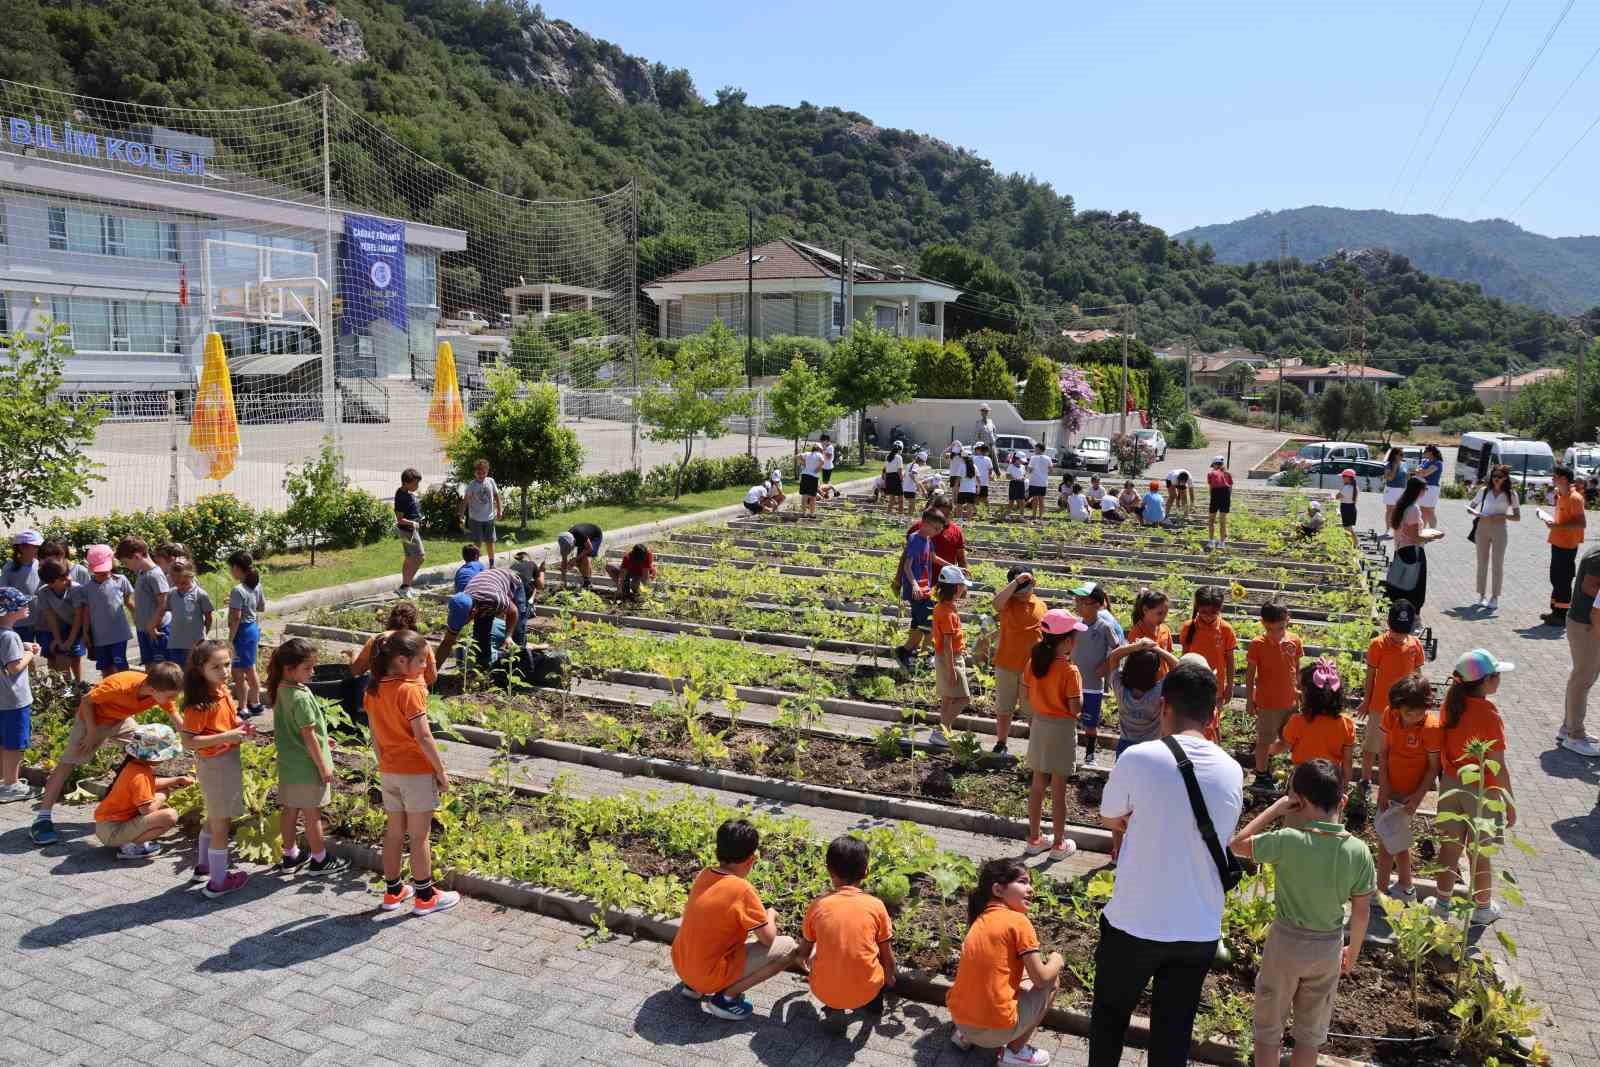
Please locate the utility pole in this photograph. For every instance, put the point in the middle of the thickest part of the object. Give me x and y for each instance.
(1127, 328)
(750, 319)
(1277, 408)
(1577, 426)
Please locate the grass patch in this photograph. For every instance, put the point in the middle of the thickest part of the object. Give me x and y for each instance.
(293, 572)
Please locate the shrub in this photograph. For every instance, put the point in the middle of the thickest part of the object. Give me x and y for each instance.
(703, 474)
(439, 509)
(776, 353)
(1132, 455)
(1186, 434)
(1041, 397)
(362, 519)
(214, 526)
(1292, 476)
(992, 380)
(1224, 409)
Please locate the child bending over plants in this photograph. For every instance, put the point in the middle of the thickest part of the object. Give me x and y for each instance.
(413, 776)
(711, 954)
(213, 732)
(1319, 867)
(1409, 744)
(1052, 693)
(402, 616)
(134, 811)
(991, 1004)
(305, 758)
(949, 658)
(636, 568)
(844, 942)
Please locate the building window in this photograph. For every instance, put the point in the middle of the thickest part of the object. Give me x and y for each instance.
(113, 236)
(838, 317)
(96, 233)
(887, 317)
(5, 312)
(117, 325)
(58, 229)
(422, 281)
(2, 222)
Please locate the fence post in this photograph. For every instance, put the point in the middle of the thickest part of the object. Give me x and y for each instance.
(172, 465)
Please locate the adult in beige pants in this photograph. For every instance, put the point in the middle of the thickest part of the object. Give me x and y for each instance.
(1583, 640)
(1494, 505)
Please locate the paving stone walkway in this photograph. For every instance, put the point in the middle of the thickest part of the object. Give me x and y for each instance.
(1558, 933)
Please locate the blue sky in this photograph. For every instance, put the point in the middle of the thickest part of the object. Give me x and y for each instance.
(1188, 112)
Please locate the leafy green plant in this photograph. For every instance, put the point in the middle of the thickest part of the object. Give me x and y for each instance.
(1418, 935)
(892, 889)
(965, 748)
(886, 741)
(43, 435)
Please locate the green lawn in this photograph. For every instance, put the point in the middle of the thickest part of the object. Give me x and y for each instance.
(293, 572)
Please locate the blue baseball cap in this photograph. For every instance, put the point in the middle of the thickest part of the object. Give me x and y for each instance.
(1478, 664)
(459, 611)
(13, 600)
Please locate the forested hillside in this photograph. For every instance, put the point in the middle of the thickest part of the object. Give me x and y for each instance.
(532, 107)
(1560, 274)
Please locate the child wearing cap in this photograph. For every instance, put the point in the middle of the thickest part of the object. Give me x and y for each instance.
(1220, 484)
(911, 481)
(1153, 508)
(1211, 636)
(958, 467)
(844, 942)
(1390, 657)
(104, 714)
(984, 464)
(21, 573)
(1091, 654)
(16, 693)
(1319, 867)
(1016, 486)
(1038, 479)
(134, 811)
(1314, 520)
(1469, 715)
(712, 954)
(58, 630)
(1320, 729)
(150, 588)
(1408, 765)
(105, 601)
(1052, 694)
(965, 471)
(949, 648)
(1271, 692)
(1348, 490)
(893, 470)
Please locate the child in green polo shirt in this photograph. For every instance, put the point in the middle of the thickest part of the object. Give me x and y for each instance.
(305, 758)
(1319, 867)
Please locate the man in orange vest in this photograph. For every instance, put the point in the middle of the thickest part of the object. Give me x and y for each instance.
(1566, 535)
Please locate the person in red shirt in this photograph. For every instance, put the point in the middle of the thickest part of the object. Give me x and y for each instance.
(1220, 482)
(636, 568)
(949, 544)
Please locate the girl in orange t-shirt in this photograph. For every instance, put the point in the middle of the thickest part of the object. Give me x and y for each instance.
(412, 774)
(1053, 697)
(1150, 609)
(1003, 987)
(1469, 715)
(213, 732)
(1320, 729)
(949, 653)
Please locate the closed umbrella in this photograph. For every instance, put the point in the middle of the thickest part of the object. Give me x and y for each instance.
(214, 426)
(445, 414)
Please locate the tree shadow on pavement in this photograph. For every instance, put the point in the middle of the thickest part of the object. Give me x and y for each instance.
(298, 941)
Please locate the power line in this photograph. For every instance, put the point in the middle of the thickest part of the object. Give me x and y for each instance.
(1506, 104)
(1540, 183)
(1445, 125)
(1437, 93)
(1518, 153)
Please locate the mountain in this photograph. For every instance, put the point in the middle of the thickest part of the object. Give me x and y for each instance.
(530, 106)
(1559, 274)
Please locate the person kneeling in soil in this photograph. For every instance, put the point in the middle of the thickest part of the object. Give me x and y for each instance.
(1052, 695)
(990, 1002)
(711, 954)
(134, 812)
(844, 944)
(636, 568)
(1319, 866)
(402, 616)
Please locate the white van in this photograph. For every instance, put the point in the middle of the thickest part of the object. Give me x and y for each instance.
(1532, 464)
(1583, 458)
(1472, 458)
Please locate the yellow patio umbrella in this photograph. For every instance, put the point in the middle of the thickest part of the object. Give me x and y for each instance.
(445, 414)
(214, 426)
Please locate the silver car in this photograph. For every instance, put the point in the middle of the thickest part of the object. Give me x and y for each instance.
(1155, 439)
(1094, 453)
(1329, 474)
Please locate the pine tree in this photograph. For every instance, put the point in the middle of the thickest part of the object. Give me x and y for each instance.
(992, 380)
(1041, 397)
(950, 376)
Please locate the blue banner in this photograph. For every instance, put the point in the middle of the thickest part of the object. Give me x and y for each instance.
(372, 273)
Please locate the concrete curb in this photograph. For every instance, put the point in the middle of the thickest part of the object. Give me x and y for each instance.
(335, 594)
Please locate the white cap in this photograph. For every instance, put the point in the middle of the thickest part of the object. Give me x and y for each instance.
(1316, 505)
(984, 407)
(922, 453)
(951, 575)
(776, 478)
(567, 543)
(899, 444)
(1218, 460)
(955, 446)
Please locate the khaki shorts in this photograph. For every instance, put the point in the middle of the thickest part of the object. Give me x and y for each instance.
(410, 793)
(1269, 724)
(1031, 1006)
(1053, 744)
(1300, 971)
(411, 543)
(1007, 691)
(304, 794)
(221, 784)
(117, 834)
(1372, 733)
(1462, 804)
(103, 732)
(961, 688)
(757, 955)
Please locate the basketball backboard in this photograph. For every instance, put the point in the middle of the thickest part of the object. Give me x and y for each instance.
(244, 282)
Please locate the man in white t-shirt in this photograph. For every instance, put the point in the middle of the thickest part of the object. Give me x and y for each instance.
(1164, 918)
(755, 501)
(1038, 480)
(827, 458)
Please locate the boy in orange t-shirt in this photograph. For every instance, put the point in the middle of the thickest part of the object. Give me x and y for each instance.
(711, 953)
(1272, 665)
(1390, 657)
(1566, 537)
(1320, 729)
(1408, 765)
(844, 943)
(134, 811)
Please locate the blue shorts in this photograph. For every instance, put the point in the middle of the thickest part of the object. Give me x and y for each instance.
(180, 656)
(1124, 743)
(458, 612)
(1090, 719)
(47, 647)
(111, 658)
(921, 610)
(16, 728)
(152, 651)
(246, 641)
(28, 634)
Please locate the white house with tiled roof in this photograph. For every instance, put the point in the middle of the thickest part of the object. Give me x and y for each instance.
(799, 290)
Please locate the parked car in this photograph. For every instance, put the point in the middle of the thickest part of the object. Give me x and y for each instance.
(1321, 450)
(1329, 474)
(1006, 443)
(1155, 439)
(1583, 458)
(1094, 453)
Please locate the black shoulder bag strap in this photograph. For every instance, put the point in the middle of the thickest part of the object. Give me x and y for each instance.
(1228, 868)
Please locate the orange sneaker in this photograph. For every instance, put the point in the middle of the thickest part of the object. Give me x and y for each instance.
(393, 901)
(442, 900)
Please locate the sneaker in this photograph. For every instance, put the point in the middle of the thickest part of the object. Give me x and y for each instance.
(903, 656)
(958, 1038)
(1492, 604)
(1404, 894)
(1441, 907)
(403, 591)
(393, 901)
(246, 711)
(232, 882)
(1090, 759)
(136, 851)
(1063, 850)
(937, 739)
(999, 748)
(1488, 914)
(734, 1008)
(43, 832)
(1035, 846)
(200, 874)
(1583, 746)
(1561, 733)
(688, 994)
(1264, 782)
(289, 866)
(328, 865)
(18, 790)
(1028, 1057)
(442, 900)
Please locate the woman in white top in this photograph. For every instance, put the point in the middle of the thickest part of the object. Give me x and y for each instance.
(1410, 544)
(893, 468)
(1495, 505)
(810, 479)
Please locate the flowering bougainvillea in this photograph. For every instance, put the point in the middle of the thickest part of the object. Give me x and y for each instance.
(1077, 397)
